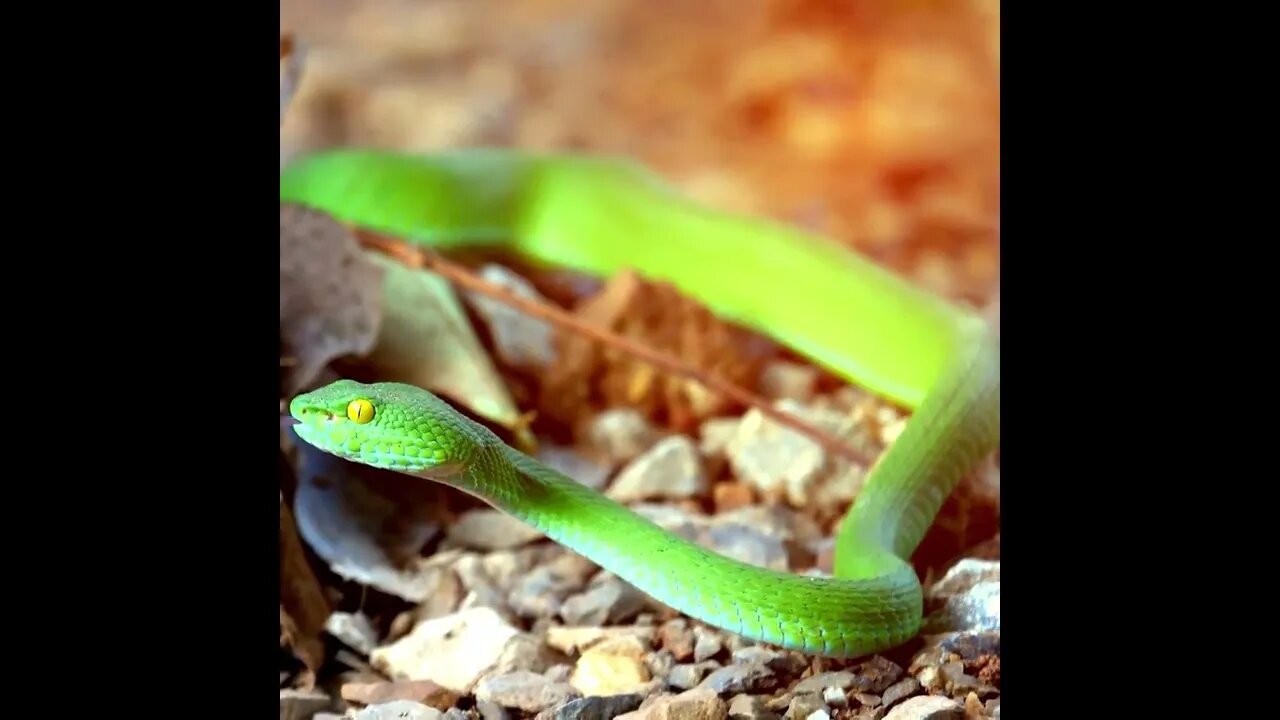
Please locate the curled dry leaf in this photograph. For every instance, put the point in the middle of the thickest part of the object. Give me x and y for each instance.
(330, 295)
(368, 525)
(427, 340)
(303, 609)
(590, 375)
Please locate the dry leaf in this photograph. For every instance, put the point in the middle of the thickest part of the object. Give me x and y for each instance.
(330, 294)
(368, 525)
(427, 340)
(303, 609)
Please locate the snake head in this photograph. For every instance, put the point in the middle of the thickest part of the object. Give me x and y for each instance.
(385, 425)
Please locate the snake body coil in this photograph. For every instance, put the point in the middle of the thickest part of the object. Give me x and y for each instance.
(598, 216)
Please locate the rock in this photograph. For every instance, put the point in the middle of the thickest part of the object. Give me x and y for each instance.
(614, 667)
(740, 678)
(731, 495)
(542, 591)
(977, 609)
(451, 651)
(480, 588)
(520, 339)
(622, 434)
(302, 704)
(571, 640)
(715, 435)
(973, 706)
(688, 675)
(927, 707)
(598, 707)
(782, 380)
(490, 710)
(750, 707)
(454, 713)
(608, 601)
(900, 690)
(689, 705)
(660, 664)
(559, 672)
(804, 705)
(819, 714)
(676, 637)
(524, 652)
(574, 464)
(834, 697)
(524, 690)
(488, 529)
(870, 713)
(868, 699)
(786, 664)
(817, 683)
(398, 710)
(421, 691)
(354, 629)
(670, 470)
(962, 576)
(708, 644)
(777, 459)
(877, 674)
(750, 545)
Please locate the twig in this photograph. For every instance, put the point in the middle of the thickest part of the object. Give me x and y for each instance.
(418, 257)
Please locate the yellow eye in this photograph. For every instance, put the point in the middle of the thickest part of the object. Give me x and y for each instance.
(360, 411)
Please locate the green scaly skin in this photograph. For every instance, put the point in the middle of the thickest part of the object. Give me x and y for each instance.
(600, 215)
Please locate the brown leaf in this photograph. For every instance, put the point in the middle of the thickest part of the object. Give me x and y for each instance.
(330, 294)
(303, 609)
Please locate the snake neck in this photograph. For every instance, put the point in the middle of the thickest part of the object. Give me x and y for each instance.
(949, 433)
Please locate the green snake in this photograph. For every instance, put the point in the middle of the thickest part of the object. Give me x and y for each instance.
(598, 215)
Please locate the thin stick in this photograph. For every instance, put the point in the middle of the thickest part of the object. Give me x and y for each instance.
(418, 257)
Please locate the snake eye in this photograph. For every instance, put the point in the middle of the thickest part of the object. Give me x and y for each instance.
(360, 411)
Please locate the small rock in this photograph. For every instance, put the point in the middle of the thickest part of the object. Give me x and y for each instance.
(598, 707)
(775, 458)
(573, 640)
(973, 706)
(687, 676)
(871, 713)
(957, 682)
(490, 710)
(451, 651)
(993, 707)
(748, 544)
(559, 672)
(354, 629)
(480, 588)
(975, 610)
(422, 691)
(615, 667)
(671, 470)
(302, 704)
(782, 380)
(574, 464)
(454, 713)
(900, 690)
(834, 697)
(398, 710)
(782, 662)
(622, 434)
(927, 707)
(677, 638)
(877, 674)
(930, 679)
(520, 340)
(688, 705)
(661, 664)
(802, 706)
(868, 699)
(708, 644)
(732, 495)
(541, 593)
(750, 707)
(965, 574)
(817, 683)
(819, 714)
(715, 435)
(524, 690)
(487, 529)
(740, 678)
(523, 652)
(324, 716)
(608, 601)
